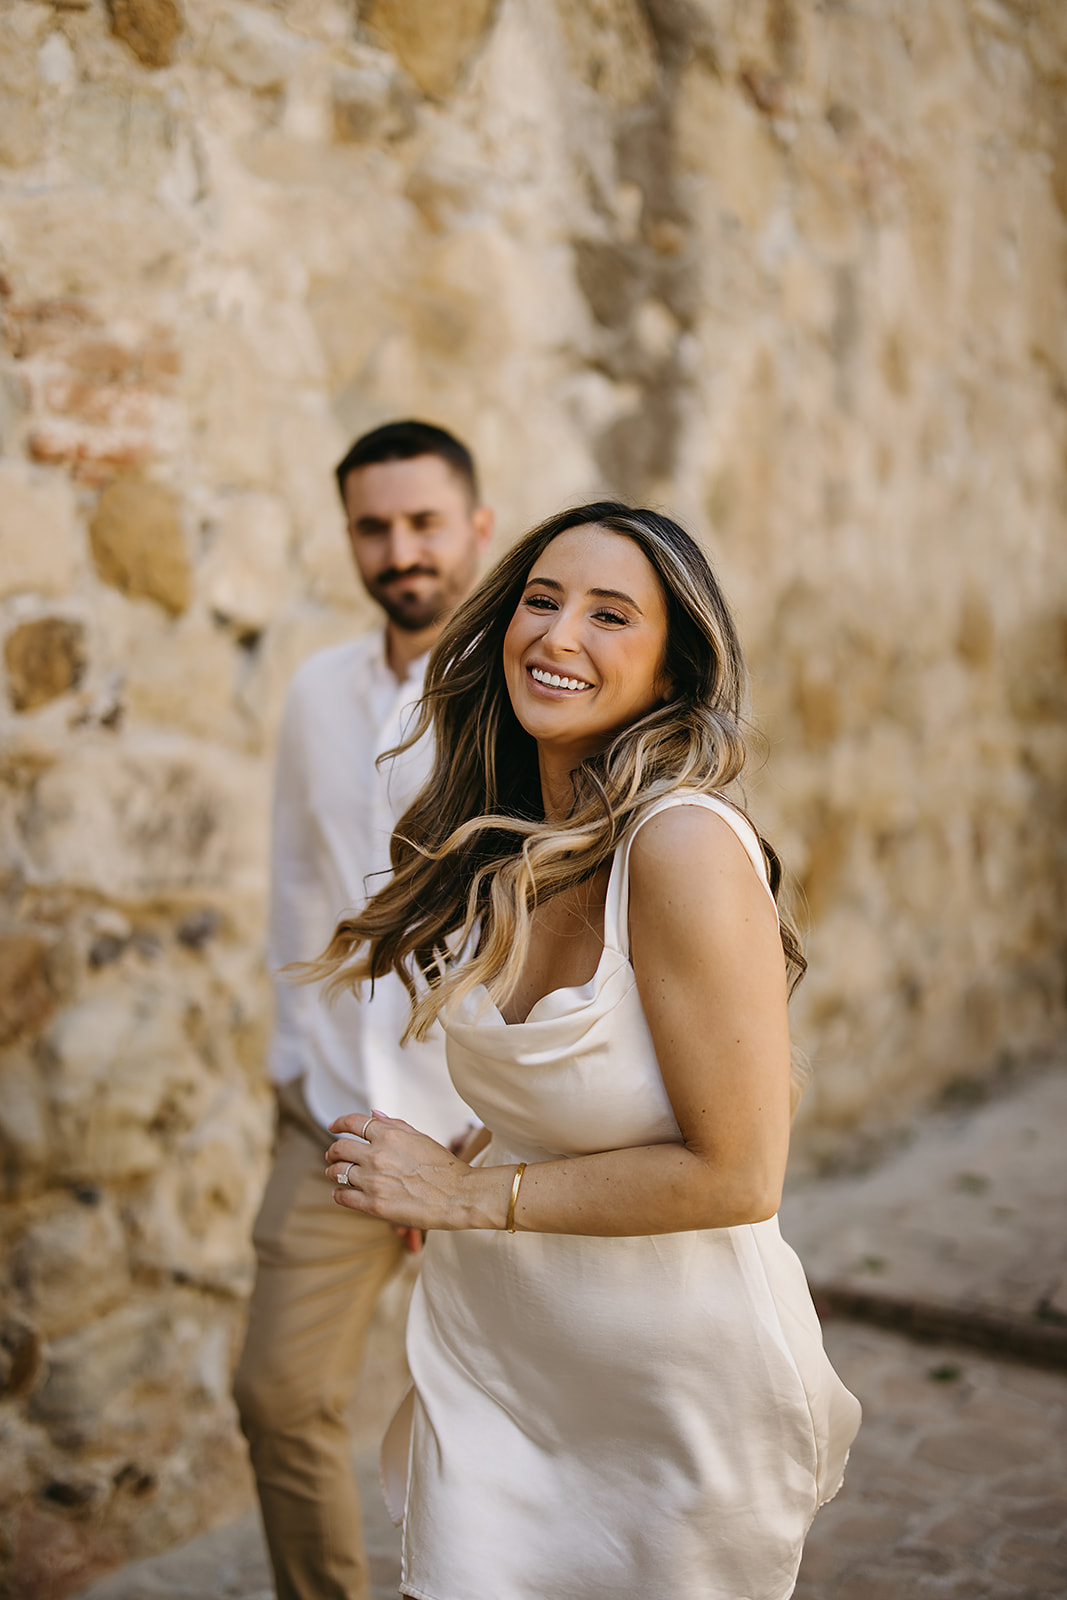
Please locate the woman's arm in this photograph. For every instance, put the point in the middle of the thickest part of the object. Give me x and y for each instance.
(711, 976)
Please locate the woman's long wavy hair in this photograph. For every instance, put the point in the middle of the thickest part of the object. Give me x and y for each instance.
(473, 855)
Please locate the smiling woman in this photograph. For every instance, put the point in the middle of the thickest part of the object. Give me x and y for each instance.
(639, 1369)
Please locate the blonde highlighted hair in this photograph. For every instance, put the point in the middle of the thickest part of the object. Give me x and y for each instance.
(474, 855)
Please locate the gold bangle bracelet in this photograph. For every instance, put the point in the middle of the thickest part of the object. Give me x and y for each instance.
(509, 1226)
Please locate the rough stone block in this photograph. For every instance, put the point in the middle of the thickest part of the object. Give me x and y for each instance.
(196, 1223)
(228, 402)
(445, 191)
(21, 130)
(93, 455)
(158, 816)
(37, 327)
(433, 44)
(611, 47)
(44, 659)
(244, 578)
(151, 28)
(370, 103)
(24, 1122)
(825, 196)
(57, 247)
(91, 1367)
(138, 543)
(719, 135)
(49, 1262)
(176, 674)
(27, 995)
(83, 370)
(20, 1366)
(347, 337)
(39, 542)
(13, 399)
(125, 1082)
(19, 63)
(114, 135)
(191, 684)
(254, 49)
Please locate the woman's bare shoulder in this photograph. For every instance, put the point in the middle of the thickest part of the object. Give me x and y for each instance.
(680, 830)
(683, 849)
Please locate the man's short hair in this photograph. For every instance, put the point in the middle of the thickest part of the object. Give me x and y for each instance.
(403, 441)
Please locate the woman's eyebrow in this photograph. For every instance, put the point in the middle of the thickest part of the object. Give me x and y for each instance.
(598, 594)
(618, 594)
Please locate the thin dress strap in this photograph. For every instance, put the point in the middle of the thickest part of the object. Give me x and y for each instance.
(616, 905)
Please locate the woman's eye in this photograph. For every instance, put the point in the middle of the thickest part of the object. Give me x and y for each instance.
(540, 602)
(610, 616)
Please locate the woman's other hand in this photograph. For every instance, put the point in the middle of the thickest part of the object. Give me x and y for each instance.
(385, 1168)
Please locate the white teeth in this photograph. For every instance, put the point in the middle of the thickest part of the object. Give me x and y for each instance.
(554, 681)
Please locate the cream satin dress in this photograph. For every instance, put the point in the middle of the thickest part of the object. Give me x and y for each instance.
(606, 1419)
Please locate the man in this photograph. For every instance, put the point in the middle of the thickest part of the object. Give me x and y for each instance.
(417, 533)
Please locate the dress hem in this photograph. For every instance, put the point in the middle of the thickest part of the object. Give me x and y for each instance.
(424, 1594)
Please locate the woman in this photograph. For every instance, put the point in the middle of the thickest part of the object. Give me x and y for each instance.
(620, 1387)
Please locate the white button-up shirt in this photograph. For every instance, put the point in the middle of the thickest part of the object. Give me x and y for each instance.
(334, 812)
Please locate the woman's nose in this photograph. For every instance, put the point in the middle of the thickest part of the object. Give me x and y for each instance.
(561, 633)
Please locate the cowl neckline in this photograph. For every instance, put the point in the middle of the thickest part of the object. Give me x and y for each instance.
(479, 1009)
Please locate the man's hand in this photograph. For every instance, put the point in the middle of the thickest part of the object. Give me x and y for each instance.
(467, 1144)
(412, 1239)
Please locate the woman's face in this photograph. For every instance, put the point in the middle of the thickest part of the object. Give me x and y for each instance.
(584, 652)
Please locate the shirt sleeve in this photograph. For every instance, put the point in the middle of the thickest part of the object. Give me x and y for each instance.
(293, 933)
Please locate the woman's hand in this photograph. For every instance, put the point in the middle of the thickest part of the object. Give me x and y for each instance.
(385, 1168)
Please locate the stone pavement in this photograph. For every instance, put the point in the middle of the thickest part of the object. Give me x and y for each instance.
(961, 1232)
(957, 1486)
(230, 1563)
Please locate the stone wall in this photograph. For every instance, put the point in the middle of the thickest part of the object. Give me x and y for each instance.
(793, 270)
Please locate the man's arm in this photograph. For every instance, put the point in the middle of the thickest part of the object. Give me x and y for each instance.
(293, 934)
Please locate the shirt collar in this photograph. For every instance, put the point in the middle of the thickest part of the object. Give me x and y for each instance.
(383, 672)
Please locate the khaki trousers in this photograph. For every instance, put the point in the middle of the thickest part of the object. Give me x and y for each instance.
(321, 1269)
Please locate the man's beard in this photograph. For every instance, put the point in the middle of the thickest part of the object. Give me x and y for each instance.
(411, 613)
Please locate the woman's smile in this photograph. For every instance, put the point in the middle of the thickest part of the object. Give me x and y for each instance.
(552, 680)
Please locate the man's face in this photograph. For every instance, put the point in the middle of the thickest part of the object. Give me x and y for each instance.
(415, 537)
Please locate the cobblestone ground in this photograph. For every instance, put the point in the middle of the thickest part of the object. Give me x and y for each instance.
(957, 1484)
